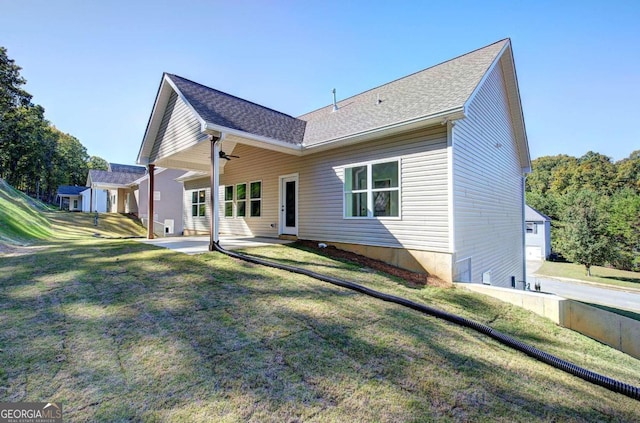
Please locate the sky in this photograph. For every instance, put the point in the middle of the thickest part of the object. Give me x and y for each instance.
(95, 66)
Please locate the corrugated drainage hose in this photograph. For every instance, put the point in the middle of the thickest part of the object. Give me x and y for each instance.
(595, 378)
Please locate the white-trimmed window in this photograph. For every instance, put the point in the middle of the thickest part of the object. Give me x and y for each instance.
(198, 203)
(532, 228)
(255, 198)
(372, 190)
(228, 201)
(241, 200)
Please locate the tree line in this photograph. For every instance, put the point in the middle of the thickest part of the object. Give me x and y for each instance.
(35, 156)
(594, 204)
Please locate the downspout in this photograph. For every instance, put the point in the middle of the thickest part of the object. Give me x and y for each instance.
(523, 231)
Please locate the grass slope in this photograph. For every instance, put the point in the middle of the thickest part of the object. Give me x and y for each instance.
(122, 331)
(25, 221)
(21, 221)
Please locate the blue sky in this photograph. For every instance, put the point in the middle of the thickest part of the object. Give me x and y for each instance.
(95, 66)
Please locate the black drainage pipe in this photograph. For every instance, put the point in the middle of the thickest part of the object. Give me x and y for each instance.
(593, 377)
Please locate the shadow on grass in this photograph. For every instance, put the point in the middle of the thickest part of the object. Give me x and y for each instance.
(168, 336)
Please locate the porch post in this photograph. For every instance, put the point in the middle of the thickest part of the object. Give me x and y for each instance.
(215, 182)
(91, 198)
(150, 201)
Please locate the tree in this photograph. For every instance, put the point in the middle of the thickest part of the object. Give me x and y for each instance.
(583, 236)
(624, 225)
(629, 172)
(11, 93)
(97, 163)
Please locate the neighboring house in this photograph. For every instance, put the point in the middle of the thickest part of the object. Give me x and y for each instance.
(167, 195)
(538, 234)
(69, 197)
(425, 172)
(110, 191)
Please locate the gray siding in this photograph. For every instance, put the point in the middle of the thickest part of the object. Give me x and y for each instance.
(178, 130)
(171, 198)
(424, 193)
(424, 199)
(487, 186)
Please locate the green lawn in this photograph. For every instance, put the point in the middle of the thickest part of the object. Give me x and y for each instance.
(121, 331)
(602, 275)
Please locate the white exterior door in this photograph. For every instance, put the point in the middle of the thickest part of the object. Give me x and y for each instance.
(289, 205)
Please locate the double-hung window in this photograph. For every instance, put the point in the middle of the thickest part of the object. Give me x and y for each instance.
(372, 190)
(198, 203)
(241, 200)
(255, 198)
(228, 201)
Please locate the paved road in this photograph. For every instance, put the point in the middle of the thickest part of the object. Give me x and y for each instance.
(588, 293)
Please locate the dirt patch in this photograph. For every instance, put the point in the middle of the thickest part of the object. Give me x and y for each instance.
(413, 278)
(7, 250)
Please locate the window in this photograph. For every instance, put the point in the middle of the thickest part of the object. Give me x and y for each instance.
(75, 204)
(228, 201)
(532, 228)
(372, 190)
(198, 206)
(241, 200)
(255, 198)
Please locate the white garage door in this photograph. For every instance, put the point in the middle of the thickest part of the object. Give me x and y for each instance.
(534, 253)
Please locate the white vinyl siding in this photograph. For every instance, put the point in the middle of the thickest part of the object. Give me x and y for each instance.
(196, 224)
(179, 129)
(487, 186)
(256, 165)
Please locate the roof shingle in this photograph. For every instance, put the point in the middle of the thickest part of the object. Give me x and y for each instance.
(112, 178)
(435, 90)
(70, 190)
(232, 112)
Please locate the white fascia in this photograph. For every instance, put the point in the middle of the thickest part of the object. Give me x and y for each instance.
(260, 141)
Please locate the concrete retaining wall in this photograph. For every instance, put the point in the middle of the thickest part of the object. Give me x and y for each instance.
(619, 332)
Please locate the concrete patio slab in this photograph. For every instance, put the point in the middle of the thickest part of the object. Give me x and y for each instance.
(200, 244)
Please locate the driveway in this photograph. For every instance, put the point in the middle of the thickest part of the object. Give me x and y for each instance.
(612, 297)
(200, 244)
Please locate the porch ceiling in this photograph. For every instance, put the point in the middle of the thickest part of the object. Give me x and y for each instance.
(198, 157)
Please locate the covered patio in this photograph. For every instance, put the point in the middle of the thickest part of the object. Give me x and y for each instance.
(200, 244)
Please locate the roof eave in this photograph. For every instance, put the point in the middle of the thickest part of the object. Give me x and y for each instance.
(387, 130)
(254, 139)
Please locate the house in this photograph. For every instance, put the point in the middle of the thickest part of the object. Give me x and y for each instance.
(109, 190)
(69, 197)
(537, 234)
(167, 196)
(425, 172)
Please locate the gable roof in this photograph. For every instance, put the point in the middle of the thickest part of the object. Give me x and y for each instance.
(65, 190)
(105, 177)
(115, 167)
(436, 94)
(533, 215)
(435, 91)
(224, 110)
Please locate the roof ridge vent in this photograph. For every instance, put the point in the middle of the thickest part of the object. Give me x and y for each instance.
(335, 104)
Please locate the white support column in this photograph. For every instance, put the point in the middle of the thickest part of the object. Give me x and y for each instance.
(214, 222)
